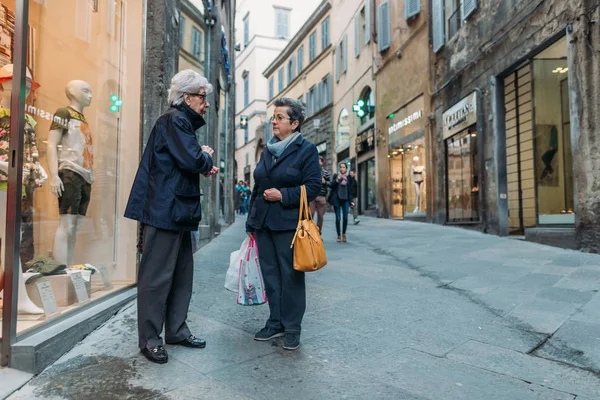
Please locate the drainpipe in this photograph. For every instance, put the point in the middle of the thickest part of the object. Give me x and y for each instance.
(481, 150)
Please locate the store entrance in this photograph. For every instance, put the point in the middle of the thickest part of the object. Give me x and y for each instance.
(538, 142)
(408, 174)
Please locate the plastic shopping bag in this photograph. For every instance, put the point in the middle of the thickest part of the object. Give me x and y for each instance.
(235, 261)
(251, 288)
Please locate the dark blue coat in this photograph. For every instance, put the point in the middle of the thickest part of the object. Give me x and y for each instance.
(334, 200)
(298, 165)
(166, 189)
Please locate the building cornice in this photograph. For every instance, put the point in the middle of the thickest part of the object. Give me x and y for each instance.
(300, 36)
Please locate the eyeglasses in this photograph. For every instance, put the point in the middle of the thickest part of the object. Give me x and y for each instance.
(279, 118)
(202, 95)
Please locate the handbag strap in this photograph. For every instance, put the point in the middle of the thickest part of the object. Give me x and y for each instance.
(304, 207)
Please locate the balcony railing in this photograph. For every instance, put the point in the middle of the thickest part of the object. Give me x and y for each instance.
(454, 23)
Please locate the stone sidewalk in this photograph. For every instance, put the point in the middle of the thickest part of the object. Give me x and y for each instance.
(403, 311)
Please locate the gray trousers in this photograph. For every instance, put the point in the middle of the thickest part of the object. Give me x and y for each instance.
(284, 285)
(165, 280)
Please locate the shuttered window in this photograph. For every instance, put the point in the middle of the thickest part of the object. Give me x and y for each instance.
(367, 37)
(467, 8)
(383, 26)
(271, 88)
(438, 28)
(345, 53)
(280, 79)
(357, 42)
(412, 8)
(312, 47)
(325, 33)
(338, 65)
(300, 59)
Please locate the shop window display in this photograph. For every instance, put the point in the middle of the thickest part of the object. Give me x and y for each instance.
(409, 180)
(462, 177)
(81, 124)
(553, 155)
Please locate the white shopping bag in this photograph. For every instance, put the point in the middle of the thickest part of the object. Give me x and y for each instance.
(251, 288)
(235, 261)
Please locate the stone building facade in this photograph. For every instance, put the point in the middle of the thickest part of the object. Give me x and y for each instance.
(516, 87)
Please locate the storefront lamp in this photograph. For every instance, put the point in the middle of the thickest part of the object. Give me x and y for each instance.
(116, 103)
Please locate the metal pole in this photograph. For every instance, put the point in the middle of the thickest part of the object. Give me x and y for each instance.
(12, 237)
(225, 180)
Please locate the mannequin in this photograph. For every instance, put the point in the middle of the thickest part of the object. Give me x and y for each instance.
(418, 174)
(70, 159)
(33, 173)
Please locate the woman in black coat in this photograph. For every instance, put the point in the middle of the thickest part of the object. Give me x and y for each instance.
(342, 188)
(165, 199)
(287, 162)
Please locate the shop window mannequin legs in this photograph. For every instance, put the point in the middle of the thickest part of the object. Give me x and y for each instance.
(418, 175)
(70, 159)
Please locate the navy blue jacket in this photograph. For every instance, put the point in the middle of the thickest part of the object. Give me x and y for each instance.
(334, 200)
(298, 165)
(166, 189)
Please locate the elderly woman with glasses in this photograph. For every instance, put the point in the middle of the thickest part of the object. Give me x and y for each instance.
(165, 199)
(287, 162)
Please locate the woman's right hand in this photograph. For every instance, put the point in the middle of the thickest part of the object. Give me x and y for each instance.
(251, 235)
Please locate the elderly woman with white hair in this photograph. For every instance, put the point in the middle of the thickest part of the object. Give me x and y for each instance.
(165, 199)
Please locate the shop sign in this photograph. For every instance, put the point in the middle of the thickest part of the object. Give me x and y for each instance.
(365, 141)
(322, 148)
(460, 116)
(407, 120)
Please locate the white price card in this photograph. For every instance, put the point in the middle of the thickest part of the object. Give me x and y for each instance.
(79, 285)
(104, 274)
(47, 297)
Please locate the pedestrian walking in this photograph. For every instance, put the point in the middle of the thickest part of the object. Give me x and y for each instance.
(165, 199)
(354, 203)
(341, 190)
(287, 162)
(319, 204)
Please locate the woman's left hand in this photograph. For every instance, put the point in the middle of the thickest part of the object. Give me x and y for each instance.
(272, 195)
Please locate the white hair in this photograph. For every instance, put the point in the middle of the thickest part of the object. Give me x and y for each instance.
(187, 81)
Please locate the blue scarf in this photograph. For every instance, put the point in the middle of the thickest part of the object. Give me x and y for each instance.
(277, 147)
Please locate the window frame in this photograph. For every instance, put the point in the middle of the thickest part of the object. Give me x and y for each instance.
(196, 34)
(312, 47)
(282, 22)
(246, 30)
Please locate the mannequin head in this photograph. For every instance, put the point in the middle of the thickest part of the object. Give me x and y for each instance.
(79, 93)
(415, 160)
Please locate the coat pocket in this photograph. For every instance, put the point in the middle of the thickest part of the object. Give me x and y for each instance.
(186, 208)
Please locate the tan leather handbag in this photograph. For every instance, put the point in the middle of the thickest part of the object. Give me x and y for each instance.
(309, 251)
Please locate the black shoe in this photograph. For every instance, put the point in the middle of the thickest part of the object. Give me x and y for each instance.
(291, 341)
(268, 333)
(356, 221)
(156, 354)
(193, 342)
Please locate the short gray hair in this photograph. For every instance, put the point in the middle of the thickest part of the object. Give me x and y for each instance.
(296, 110)
(187, 81)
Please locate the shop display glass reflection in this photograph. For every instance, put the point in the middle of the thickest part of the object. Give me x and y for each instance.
(409, 180)
(81, 131)
(462, 177)
(553, 154)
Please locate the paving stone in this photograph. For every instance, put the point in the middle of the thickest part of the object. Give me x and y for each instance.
(589, 312)
(440, 378)
(581, 279)
(566, 295)
(576, 343)
(11, 380)
(292, 375)
(224, 346)
(544, 316)
(527, 368)
(205, 388)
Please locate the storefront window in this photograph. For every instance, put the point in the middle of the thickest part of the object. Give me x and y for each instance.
(409, 180)
(371, 184)
(462, 176)
(81, 148)
(342, 141)
(553, 158)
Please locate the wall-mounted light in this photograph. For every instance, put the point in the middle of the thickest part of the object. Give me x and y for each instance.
(560, 70)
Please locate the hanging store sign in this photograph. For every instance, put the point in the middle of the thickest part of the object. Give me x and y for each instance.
(460, 116)
(365, 141)
(405, 121)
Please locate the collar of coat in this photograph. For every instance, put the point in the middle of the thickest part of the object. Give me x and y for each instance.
(195, 118)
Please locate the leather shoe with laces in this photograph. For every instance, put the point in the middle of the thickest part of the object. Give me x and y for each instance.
(192, 341)
(291, 341)
(156, 354)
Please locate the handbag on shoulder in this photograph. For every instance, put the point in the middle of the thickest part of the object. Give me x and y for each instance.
(309, 251)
